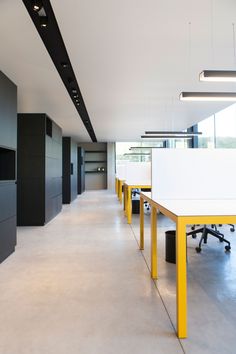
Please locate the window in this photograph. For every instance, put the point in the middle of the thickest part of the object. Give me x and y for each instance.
(178, 143)
(225, 128)
(139, 154)
(219, 130)
(207, 127)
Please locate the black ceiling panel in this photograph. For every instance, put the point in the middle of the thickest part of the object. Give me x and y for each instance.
(42, 14)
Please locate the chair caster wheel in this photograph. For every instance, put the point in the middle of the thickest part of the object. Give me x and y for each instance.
(227, 248)
(194, 236)
(232, 229)
(198, 249)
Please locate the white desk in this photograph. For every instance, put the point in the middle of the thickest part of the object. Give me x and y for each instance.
(183, 212)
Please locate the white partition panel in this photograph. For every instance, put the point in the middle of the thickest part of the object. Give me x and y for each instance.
(138, 173)
(193, 174)
(121, 172)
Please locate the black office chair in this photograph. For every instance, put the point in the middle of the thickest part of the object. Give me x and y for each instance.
(209, 231)
(232, 228)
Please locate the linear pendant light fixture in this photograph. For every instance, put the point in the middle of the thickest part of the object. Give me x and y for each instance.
(165, 134)
(208, 96)
(175, 133)
(136, 154)
(164, 137)
(144, 147)
(218, 75)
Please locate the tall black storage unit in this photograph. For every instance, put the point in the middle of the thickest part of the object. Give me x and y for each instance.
(69, 153)
(81, 171)
(39, 186)
(8, 145)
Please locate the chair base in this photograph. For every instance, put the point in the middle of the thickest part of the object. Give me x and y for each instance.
(205, 231)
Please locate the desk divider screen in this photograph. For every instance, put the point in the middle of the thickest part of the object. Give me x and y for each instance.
(138, 173)
(193, 174)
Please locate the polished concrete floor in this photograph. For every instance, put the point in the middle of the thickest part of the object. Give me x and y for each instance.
(211, 289)
(80, 285)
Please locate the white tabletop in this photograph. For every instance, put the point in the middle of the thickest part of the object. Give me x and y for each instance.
(135, 183)
(119, 178)
(198, 207)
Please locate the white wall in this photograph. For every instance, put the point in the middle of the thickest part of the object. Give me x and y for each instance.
(111, 166)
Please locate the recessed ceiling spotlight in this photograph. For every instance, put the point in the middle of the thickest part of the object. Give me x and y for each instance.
(37, 5)
(65, 65)
(43, 21)
(74, 91)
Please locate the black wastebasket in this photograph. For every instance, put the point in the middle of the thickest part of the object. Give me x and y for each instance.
(170, 246)
(135, 206)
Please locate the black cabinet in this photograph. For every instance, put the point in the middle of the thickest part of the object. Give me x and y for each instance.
(8, 142)
(70, 173)
(81, 171)
(39, 186)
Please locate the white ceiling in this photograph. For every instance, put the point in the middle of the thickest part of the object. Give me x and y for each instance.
(132, 58)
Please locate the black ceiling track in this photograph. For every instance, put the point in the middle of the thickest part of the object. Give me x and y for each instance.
(41, 13)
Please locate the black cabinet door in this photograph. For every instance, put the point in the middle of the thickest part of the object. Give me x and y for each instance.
(8, 112)
(8, 141)
(81, 171)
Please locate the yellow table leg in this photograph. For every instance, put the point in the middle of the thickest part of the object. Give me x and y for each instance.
(181, 279)
(154, 272)
(116, 186)
(141, 243)
(129, 205)
(125, 199)
(120, 191)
